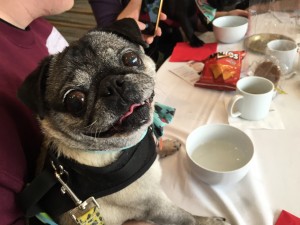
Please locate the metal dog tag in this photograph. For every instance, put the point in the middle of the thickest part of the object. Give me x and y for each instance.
(87, 212)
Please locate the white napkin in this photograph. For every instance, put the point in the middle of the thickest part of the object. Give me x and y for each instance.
(272, 121)
(189, 72)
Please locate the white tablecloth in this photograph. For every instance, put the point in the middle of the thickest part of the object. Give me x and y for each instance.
(272, 184)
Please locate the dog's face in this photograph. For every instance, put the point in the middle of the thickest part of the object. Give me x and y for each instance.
(97, 94)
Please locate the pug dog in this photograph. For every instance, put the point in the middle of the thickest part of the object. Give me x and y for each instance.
(94, 102)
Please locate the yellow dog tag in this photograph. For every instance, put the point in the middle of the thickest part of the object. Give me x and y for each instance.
(87, 213)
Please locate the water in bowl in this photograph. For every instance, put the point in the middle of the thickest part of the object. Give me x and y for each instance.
(219, 155)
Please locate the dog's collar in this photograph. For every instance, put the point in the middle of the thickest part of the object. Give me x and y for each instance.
(86, 181)
(116, 150)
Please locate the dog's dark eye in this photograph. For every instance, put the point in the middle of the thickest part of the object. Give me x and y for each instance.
(131, 59)
(75, 102)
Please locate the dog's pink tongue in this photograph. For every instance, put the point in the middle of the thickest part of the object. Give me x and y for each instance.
(130, 111)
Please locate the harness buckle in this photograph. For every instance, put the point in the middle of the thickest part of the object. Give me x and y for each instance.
(86, 212)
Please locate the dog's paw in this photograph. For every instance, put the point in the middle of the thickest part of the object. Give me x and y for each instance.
(211, 220)
(169, 146)
(196, 42)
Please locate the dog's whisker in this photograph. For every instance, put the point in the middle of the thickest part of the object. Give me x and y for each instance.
(95, 136)
(91, 125)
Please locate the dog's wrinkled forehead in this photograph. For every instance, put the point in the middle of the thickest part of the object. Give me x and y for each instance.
(97, 50)
(98, 54)
(106, 47)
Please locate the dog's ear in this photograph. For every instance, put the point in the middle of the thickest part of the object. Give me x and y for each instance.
(128, 29)
(32, 91)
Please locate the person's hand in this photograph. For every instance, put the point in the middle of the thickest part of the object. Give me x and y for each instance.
(132, 10)
(239, 12)
(235, 12)
(133, 222)
(158, 32)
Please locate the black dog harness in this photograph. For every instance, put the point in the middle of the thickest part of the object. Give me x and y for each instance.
(44, 194)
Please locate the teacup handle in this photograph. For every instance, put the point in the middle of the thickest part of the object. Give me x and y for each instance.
(231, 105)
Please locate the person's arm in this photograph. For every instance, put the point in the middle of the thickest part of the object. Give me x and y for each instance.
(131, 10)
(107, 11)
(10, 212)
(13, 168)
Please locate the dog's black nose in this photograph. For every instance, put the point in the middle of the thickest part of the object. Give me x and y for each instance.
(112, 86)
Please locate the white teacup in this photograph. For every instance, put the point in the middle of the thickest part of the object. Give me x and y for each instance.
(285, 51)
(253, 98)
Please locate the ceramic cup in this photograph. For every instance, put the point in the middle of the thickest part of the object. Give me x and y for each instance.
(285, 51)
(253, 98)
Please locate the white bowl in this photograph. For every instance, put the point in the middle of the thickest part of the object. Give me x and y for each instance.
(230, 29)
(219, 154)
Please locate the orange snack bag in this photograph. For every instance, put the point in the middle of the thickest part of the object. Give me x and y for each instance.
(221, 70)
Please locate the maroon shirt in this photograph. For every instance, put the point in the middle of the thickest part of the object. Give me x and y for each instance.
(20, 137)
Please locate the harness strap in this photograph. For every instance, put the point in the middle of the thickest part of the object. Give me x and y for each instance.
(34, 192)
(44, 192)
